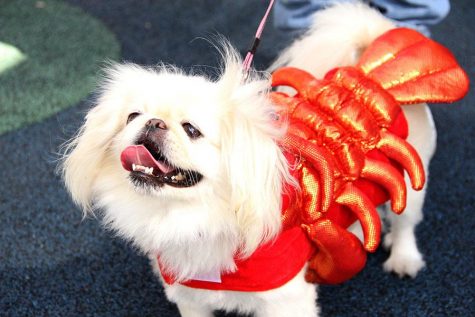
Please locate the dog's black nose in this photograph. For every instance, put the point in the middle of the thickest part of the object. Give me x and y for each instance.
(156, 124)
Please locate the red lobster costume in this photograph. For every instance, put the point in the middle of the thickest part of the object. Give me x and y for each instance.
(346, 142)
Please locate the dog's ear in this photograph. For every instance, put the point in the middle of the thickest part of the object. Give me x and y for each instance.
(254, 164)
(84, 154)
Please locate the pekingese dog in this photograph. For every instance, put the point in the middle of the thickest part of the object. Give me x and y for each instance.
(186, 168)
(189, 170)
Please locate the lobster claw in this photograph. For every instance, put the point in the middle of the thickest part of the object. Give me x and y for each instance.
(335, 246)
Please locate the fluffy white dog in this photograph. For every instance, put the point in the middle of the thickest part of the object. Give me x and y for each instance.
(189, 169)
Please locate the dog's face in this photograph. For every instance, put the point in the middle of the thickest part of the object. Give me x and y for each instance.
(163, 146)
(170, 142)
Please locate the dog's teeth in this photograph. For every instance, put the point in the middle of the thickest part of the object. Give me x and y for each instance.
(179, 177)
(142, 169)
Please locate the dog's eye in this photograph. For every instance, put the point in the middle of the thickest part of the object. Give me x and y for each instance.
(132, 116)
(191, 131)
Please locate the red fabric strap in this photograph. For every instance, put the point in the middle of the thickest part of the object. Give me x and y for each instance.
(270, 266)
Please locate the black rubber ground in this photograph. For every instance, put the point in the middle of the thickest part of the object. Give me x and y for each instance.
(54, 264)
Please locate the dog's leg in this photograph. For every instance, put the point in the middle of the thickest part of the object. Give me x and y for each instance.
(296, 298)
(304, 306)
(186, 309)
(405, 258)
(194, 311)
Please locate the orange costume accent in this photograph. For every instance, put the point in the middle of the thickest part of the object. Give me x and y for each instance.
(347, 132)
(346, 146)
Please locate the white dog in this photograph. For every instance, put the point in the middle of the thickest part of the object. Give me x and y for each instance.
(189, 169)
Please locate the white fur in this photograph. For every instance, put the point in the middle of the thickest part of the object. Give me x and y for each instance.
(236, 206)
(337, 38)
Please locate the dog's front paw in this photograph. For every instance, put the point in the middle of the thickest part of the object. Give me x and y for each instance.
(404, 263)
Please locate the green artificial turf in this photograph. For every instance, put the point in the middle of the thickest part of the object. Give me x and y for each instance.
(63, 49)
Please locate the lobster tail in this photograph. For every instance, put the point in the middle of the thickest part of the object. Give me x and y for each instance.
(414, 68)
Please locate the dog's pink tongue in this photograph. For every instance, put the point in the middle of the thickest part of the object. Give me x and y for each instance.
(139, 155)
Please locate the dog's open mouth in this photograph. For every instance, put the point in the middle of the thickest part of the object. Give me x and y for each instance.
(148, 166)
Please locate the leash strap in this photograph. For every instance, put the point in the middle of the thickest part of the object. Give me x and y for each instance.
(257, 39)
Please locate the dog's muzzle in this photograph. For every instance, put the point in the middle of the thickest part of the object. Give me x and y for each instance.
(148, 166)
